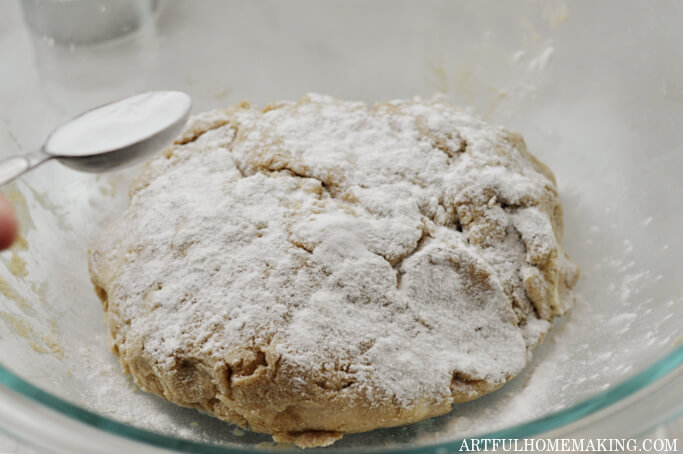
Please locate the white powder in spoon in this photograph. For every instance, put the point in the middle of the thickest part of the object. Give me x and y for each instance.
(118, 124)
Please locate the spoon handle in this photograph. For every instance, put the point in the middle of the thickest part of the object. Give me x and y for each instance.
(14, 166)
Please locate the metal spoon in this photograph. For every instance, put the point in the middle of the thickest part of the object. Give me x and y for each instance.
(109, 136)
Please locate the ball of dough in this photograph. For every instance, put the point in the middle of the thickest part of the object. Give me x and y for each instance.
(322, 267)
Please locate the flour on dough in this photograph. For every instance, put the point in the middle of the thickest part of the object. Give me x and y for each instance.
(320, 267)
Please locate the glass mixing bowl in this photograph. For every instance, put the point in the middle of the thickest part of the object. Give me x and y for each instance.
(596, 88)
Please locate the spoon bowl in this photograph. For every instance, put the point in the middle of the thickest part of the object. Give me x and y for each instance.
(125, 156)
(110, 136)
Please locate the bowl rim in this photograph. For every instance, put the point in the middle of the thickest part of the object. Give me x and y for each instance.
(650, 375)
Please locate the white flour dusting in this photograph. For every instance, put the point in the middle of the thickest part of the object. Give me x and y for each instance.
(540, 62)
(402, 253)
